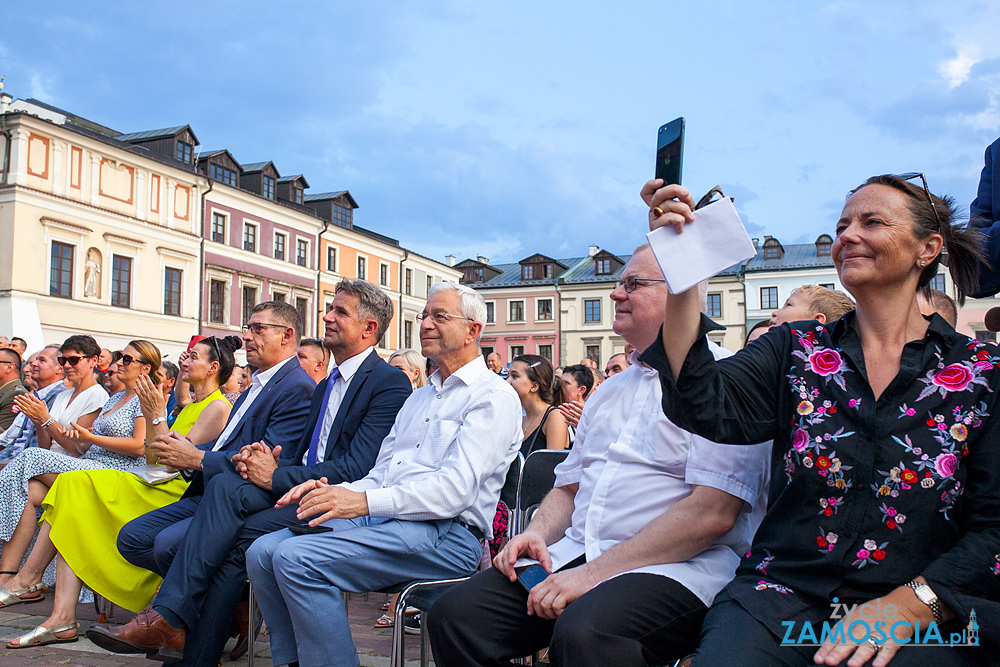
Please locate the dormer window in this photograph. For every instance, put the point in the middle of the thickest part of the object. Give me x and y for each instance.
(547, 269)
(772, 252)
(268, 187)
(527, 272)
(602, 267)
(184, 151)
(477, 275)
(341, 216)
(823, 250)
(221, 174)
(297, 196)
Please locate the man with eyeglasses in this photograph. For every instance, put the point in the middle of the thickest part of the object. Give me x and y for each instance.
(646, 523)
(273, 411)
(10, 385)
(43, 367)
(422, 511)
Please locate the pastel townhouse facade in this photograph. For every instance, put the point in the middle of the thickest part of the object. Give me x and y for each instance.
(586, 311)
(726, 305)
(98, 234)
(522, 305)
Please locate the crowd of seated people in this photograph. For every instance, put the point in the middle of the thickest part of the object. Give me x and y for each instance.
(846, 455)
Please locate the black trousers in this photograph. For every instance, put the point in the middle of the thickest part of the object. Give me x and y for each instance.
(203, 585)
(631, 620)
(731, 636)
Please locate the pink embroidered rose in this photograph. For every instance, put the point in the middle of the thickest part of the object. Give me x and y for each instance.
(983, 365)
(946, 464)
(863, 553)
(800, 439)
(825, 361)
(954, 377)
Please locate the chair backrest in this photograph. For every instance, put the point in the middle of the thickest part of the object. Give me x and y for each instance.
(537, 478)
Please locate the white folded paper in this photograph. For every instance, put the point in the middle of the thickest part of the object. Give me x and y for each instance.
(715, 241)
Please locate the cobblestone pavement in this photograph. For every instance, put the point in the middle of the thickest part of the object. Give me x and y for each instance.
(373, 645)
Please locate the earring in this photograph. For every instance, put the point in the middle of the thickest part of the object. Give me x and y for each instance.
(923, 263)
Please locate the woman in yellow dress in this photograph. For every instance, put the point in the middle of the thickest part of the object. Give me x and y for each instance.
(84, 511)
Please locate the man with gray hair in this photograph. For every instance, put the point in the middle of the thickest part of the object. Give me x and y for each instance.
(421, 513)
(44, 369)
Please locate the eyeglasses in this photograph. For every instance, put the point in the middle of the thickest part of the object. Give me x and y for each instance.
(257, 327)
(631, 283)
(441, 317)
(2, 361)
(127, 360)
(72, 361)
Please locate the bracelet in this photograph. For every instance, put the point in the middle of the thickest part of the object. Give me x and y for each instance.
(47, 423)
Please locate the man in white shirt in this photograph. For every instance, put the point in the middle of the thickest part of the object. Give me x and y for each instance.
(646, 523)
(47, 374)
(419, 514)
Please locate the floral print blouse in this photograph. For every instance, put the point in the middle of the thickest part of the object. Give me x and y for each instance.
(865, 495)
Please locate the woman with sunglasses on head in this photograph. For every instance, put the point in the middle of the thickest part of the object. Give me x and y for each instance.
(84, 510)
(884, 507)
(116, 440)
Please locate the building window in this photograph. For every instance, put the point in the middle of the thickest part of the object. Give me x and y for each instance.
(61, 274)
(828, 285)
(545, 350)
(408, 284)
(383, 275)
(594, 352)
(592, 310)
(430, 283)
(603, 267)
(516, 311)
(268, 187)
(331, 259)
(490, 313)
(217, 301)
(486, 350)
(219, 173)
(341, 216)
(121, 281)
(408, 334)
(527, 272)
(516, 351)
(277, 296)
(362, 266)
(250, 237)
(772, 252)
(937, 282)
(714, 305)
(249, 301)
(986, 336)
(184, 151)
(297, 196)
(218, 227)
(302, 252)
(302, 305)
(823, 250)
(768, 298)
(477, 275)
(279, 245)
(544, 309)
(171, 291)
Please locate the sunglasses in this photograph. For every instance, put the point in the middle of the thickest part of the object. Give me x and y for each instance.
(127, 360)
(911, 175)
(72, 361)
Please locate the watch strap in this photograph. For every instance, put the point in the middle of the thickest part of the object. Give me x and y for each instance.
(933, 602)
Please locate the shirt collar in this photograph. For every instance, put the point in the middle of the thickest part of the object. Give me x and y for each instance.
(938, 326)
(45, 391)
(263, 377)
(351, 366)
(466, 374)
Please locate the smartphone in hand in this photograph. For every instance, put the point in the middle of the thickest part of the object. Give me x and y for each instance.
(670, 151)
(530, 575)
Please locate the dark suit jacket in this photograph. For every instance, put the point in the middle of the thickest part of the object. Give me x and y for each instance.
(984, 214)
(277, 416)
(366, 414)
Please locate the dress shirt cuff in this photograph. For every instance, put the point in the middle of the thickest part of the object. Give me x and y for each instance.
(380, 503)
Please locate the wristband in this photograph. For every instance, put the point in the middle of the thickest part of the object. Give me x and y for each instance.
(47, 423)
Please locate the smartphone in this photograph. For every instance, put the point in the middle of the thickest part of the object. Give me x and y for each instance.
(306, 529)
(670, 151)
(530, 575)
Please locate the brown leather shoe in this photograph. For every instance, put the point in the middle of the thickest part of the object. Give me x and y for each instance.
(147, 633)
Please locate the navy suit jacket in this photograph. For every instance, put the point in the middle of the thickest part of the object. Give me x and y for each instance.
(277, 416)
(366, 414)
(984, 214)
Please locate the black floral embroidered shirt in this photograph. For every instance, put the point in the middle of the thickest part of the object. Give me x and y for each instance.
(865, 495)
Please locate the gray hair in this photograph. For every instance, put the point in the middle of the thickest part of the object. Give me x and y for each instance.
(373, 303)
(473, 305)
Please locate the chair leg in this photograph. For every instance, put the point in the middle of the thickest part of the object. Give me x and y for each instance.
(252, 639)
(425, 642)
(396, 654)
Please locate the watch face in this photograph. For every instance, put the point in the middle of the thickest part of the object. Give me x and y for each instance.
(926, 595)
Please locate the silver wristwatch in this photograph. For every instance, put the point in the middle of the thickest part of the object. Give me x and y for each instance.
(158, 420)
(927, 596)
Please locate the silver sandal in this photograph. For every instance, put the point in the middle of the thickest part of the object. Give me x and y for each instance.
(9, 598)
(41, 636)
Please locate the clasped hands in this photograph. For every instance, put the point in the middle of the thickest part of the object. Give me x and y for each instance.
(257, 462)
(549, 598)
(317, 497)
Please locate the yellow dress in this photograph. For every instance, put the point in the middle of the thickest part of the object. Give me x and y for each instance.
(85, 510)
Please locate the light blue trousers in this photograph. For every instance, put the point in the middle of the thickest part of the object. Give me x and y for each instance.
(298, 579)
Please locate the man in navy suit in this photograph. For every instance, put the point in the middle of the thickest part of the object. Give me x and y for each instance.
(350, 414)
(984, 214)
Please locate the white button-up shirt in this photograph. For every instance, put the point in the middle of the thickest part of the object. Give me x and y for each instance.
(448, 451)
(633, 464)
(348, 369)
(257, 384)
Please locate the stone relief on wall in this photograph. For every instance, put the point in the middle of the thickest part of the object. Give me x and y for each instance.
(92, 274)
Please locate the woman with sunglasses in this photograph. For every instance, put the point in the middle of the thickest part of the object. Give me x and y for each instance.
(84, 510)
(115, 440)
(884, 508)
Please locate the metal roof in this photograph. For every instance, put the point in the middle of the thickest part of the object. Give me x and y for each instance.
(324, 196)
(149, 135)
(796, 256)
(581, 270)
(251, 167)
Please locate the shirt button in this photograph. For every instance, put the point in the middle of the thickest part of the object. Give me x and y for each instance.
(418, 445)
(427, 419)
(398, 462)
(439, 395)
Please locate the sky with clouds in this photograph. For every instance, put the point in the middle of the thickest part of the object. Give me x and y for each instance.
(506, 129)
